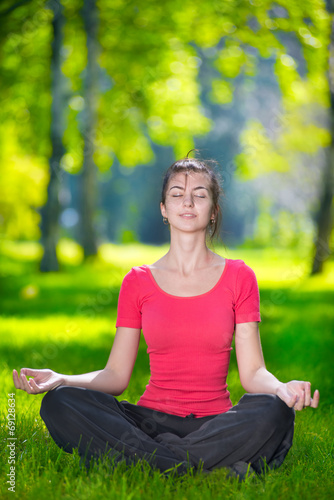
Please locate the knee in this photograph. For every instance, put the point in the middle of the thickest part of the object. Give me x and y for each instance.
(54, 402)
(59, 412)
(278, 414)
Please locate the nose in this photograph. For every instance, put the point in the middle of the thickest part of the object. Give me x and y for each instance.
(188, 200)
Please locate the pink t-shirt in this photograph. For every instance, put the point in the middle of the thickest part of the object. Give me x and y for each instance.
(188, 338)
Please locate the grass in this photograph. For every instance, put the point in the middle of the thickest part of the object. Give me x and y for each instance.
(65, 321)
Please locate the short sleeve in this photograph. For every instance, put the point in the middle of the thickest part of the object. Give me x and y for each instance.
(247, 297)
(128, 309)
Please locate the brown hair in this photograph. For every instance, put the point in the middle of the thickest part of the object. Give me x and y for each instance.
(206, 167)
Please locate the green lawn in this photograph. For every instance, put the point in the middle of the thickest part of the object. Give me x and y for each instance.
(66, 321)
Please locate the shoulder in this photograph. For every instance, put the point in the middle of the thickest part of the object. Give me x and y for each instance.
(137, 271)
(240, 272)
(135, 275)
(239, 267)
(135, 283)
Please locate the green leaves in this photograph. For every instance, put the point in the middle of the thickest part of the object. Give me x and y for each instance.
(150, 89)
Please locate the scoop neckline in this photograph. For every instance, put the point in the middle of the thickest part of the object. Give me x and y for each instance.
(187, 296)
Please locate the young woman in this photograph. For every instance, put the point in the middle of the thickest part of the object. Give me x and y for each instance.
(188, 305)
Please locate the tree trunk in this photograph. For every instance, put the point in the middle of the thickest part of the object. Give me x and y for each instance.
(88, 177)
(50, 211)
(325, 215)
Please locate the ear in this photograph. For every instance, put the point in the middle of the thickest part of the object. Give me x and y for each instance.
(163, 210)
(213, 213)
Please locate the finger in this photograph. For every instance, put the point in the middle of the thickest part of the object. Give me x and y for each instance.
(291, 401)
(16, 380)
(315, 399)
(29, 372)
(300, 401)
(20, 382)
(307, 401)
(24, 383)
(26, 386)
(34, 387)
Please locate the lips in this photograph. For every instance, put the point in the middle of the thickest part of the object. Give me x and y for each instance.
(188, 216)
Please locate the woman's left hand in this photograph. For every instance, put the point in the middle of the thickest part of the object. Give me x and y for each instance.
(297, 395)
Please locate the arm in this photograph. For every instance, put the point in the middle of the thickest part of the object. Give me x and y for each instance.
(113, 379)
(254, 376)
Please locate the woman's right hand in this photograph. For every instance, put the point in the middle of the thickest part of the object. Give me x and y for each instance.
(39, 381)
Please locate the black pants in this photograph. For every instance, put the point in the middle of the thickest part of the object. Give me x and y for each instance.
(258, 430)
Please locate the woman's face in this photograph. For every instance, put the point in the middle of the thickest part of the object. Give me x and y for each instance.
(188, 206)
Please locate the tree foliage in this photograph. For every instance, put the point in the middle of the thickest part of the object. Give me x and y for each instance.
(150, 92)
(25, 45)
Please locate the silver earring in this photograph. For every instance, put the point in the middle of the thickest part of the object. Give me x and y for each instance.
(165, 221)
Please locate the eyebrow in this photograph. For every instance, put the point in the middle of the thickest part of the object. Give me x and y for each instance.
(195, 189)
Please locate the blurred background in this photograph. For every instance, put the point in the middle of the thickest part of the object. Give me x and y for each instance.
(99, 97)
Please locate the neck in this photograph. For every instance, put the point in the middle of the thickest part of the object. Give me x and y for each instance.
(188, 252)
